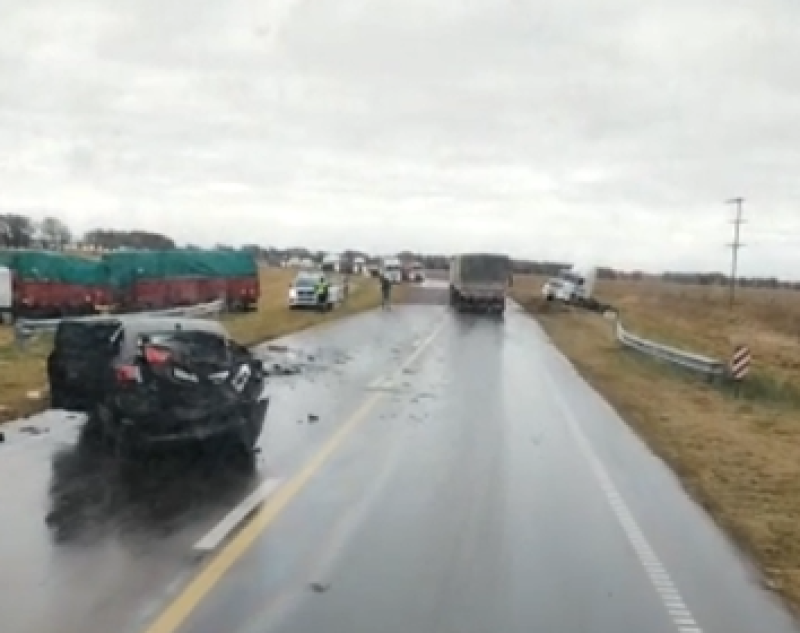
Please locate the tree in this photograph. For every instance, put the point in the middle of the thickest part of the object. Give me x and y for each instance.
(5, 233)
(55, 232)
(144, 240)
(18, 230)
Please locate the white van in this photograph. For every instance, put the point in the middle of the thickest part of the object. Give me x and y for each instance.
(6, 294)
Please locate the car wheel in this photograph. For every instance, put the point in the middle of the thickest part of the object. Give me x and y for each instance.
(104, 431)
(58, 397)
(92, 435)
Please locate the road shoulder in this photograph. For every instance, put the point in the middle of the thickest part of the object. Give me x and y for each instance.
(730, 455)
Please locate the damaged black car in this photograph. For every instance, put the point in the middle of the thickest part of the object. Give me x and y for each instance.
(157, 381)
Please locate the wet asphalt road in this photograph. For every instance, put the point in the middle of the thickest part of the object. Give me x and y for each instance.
(485, 487)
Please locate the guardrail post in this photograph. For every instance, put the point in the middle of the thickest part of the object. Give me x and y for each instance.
(21, 335)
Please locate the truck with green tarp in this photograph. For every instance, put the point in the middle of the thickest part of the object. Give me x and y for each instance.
(51, 284)
(160, 279)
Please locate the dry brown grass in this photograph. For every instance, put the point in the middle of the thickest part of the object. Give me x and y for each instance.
(768, 321)
(739, 458)
(23, 371)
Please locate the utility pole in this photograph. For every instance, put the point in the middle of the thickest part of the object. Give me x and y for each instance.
(735, 246)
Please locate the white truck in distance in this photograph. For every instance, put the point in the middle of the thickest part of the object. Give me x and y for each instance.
(572, 285)
(392, 269)
(331, 263)
(416, 272)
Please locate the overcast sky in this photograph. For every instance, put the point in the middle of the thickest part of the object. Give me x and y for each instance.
(608, 130)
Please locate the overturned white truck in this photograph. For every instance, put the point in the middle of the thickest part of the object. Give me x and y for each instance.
(479, 282)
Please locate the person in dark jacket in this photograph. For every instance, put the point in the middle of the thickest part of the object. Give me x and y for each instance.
(386, 291)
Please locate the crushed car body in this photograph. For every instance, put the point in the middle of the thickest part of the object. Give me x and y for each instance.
(156, 381)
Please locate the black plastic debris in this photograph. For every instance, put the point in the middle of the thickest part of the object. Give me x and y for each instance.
(319, 587)
(313, 418)
(277, 348)
(2, 437)
(32, 430)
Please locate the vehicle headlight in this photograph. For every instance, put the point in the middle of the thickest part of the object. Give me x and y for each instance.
(292, 293)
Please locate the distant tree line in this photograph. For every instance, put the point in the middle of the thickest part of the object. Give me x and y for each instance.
(21, 231)
(110, 239)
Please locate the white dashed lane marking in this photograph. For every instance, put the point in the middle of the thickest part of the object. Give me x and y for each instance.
(671, 598)
(237, 515)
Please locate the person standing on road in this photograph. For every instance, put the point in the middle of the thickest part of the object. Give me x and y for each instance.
(386, 291)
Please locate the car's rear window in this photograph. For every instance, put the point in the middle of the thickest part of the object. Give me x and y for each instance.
(85, 337)
(198, 346)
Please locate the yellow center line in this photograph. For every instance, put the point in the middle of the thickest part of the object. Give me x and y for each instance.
(179, 610)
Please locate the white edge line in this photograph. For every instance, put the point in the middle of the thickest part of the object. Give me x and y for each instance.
(231, 520)
(659, 577)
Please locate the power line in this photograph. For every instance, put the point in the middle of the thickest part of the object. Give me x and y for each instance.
(735, 246)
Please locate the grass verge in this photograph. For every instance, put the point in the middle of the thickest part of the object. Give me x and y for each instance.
(739, 458)
(22, 371)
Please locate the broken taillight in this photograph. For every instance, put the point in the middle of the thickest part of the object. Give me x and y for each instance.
(156, 356)
(128, 373)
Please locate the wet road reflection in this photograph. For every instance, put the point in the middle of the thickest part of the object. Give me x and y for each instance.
(93, 494)
(99, 544)
(460, 499)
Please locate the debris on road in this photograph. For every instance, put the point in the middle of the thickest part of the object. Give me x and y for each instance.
(281, 370)
(313, 418)
(33, 430)
(277, 348)
(318, 587)
(280, 360)
(2, 437)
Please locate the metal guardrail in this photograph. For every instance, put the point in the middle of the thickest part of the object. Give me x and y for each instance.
(25, 329)
(709, 367)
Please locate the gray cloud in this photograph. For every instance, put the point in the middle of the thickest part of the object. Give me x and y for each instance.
(567, 129)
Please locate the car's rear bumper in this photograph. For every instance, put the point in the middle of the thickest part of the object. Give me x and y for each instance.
(483, 299)
(243, 422)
